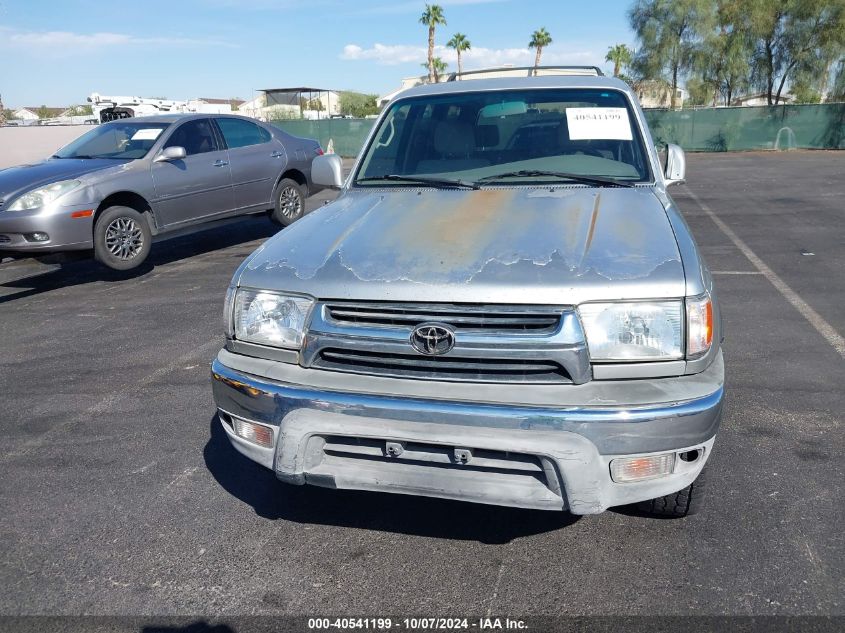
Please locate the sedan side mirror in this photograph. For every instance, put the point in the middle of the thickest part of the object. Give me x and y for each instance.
(170, 153)
(676, 165)
(327, 171)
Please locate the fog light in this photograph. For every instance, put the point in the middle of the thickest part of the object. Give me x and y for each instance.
(641, 468)
(37, 237)
(255, 433)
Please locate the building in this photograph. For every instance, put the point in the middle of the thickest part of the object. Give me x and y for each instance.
(654, 93)
(220, 106)
(31, 113)
(292, 103)
(760, 99)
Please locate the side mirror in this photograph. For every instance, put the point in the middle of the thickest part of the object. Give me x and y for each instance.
(170, 153)
(327, 171)
(675, 169)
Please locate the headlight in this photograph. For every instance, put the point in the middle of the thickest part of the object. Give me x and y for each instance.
(269, 318)
(639, 331)
(43, 196)
(699, 326)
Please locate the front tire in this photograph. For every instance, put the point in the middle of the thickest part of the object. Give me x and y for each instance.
(288, 202)
(685, 502)
(122, 238)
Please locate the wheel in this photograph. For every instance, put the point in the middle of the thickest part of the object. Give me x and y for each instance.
(677, 505)
(122, 238)
(288, 202)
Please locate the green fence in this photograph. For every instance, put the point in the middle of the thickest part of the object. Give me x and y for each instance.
(347, 135)
(703, 130)
(749, 128)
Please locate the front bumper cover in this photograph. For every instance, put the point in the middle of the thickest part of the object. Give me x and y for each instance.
(523, 456)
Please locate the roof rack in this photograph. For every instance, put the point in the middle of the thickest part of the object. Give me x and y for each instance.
(530, 71)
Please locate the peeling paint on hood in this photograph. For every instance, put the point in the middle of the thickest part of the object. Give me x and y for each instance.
(509, 245)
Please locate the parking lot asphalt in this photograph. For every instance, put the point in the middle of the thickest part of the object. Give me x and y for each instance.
(121, 494)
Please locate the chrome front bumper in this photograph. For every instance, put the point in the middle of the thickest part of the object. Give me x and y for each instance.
(515, 455)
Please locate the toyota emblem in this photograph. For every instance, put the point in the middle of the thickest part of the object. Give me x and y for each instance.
(433, 339)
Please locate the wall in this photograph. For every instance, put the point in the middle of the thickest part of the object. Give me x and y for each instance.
(26, 144)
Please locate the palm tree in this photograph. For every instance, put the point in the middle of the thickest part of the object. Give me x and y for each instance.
(431, 17)
(439, 67)
(539, 40)
(460, 43)
(620, 55)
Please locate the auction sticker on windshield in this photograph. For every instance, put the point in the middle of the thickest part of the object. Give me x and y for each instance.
(148, 134)
(598, 124)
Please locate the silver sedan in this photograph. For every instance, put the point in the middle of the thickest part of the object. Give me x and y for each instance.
(117, 187)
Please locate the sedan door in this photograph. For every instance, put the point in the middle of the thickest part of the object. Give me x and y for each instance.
(257, 160)
(199, 185)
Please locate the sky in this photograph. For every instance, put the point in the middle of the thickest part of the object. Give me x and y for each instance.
(57, 53)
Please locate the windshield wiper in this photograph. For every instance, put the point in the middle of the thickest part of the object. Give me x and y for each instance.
(83, 156)
(599, 181)
(442, 183)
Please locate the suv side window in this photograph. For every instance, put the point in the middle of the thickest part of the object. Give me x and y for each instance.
(238, 133)
(197, 137)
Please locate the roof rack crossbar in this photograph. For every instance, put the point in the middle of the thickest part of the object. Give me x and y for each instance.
(594, 69)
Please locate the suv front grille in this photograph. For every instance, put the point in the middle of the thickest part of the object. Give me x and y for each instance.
(493, 319)
(516, 344)
(5, 239)
(448, 367)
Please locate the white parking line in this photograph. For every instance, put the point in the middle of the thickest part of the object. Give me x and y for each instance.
(824, 328)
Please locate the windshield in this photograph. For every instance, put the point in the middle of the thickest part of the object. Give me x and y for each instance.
(512, 135)
(120, 139)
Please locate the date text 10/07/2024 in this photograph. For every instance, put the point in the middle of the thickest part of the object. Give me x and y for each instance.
(417, 624)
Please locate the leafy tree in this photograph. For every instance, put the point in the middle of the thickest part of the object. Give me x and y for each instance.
(439, 67)
(357, 104)
(81, 110)
(699, 92)
(723, 58)
(805, 93)
(794, 39)
(837, 92)
(460, 43)
(620, 56)
(432, 17)
(668, 32)
(43, 112)
(540, 39)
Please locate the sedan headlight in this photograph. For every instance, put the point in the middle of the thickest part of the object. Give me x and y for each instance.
(269, 318)
(640, 331)
(43, 196)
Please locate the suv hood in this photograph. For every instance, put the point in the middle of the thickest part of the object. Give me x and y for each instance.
(17, 180)
(553, 245)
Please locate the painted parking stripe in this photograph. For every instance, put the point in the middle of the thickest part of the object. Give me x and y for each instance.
(824, 328)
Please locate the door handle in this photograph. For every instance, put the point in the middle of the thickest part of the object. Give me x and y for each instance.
(277, 154)
(221, 163)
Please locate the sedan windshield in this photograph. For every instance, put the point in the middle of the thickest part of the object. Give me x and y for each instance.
(122, 140)
(508, 137)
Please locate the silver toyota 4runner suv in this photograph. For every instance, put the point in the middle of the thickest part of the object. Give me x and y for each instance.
(502, 306)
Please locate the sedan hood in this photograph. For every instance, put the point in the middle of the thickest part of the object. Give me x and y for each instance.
(17, 180)
(555, 245)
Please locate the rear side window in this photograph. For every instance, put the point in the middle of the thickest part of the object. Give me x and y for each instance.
(238, 133)
(197, 137)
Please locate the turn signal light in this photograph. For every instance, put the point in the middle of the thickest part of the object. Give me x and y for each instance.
(255, 433)
(629, 469)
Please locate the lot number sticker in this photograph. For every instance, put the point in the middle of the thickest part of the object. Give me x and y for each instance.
(598, 124)
(150, 134)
